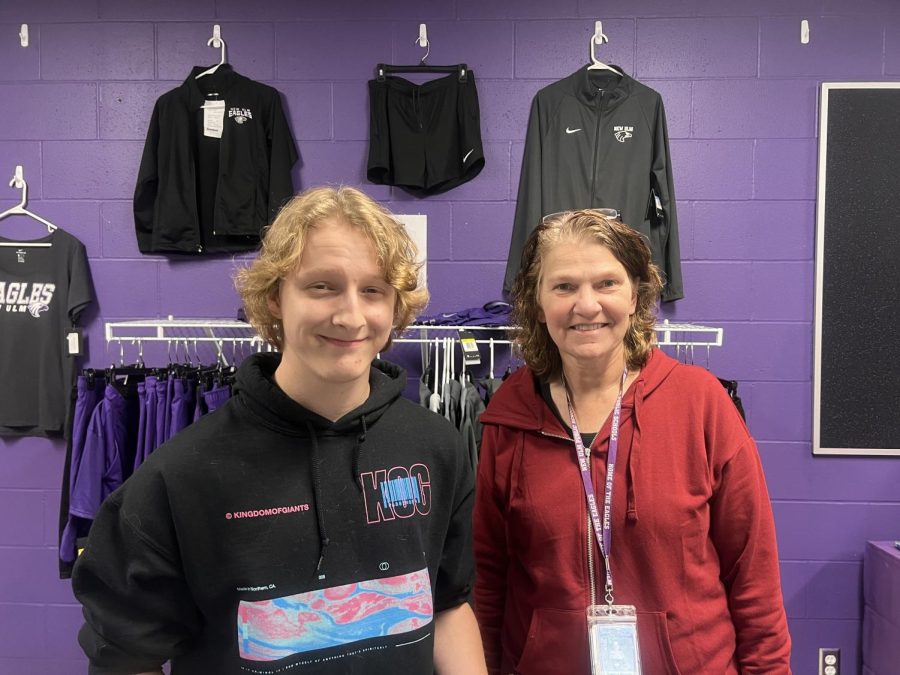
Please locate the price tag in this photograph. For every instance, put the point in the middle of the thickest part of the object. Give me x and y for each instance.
(471, 355)
(73, 342)
(213, 118)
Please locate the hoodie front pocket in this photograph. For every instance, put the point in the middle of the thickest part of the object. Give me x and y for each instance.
(556, 643)
(656, 648)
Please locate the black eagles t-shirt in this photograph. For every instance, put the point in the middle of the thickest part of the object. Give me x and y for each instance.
(42, 292)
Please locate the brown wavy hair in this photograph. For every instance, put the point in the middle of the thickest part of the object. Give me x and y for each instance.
(285, 239)
(629, 248)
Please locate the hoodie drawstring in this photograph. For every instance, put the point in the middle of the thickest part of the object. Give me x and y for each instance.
(357, 451)
(634, 459)
(317, 487)
(317, 492)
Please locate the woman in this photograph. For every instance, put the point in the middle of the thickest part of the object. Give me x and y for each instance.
(690, 538)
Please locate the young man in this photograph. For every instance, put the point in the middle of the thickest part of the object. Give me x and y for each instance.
(317, 523)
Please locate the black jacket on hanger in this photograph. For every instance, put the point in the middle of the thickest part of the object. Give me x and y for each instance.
(198, 194)
(599, 140)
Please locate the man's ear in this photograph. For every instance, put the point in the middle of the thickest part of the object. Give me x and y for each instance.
(274, 302)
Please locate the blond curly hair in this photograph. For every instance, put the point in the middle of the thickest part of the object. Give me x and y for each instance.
(629, 248)
(285, 239)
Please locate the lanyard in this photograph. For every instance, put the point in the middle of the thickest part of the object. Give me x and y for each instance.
(604, 532)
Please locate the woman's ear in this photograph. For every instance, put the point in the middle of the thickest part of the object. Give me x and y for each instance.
(635, 285)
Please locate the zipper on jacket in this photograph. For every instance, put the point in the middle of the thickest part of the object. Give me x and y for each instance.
(590, 557)
(596, 149)
(590, 526)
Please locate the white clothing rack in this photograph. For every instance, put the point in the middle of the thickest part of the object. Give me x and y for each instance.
(237, 332)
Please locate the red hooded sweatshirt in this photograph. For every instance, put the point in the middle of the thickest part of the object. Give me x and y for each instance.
(693, 539)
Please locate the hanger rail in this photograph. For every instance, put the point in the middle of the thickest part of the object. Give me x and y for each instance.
(382, 70)
(214, 330)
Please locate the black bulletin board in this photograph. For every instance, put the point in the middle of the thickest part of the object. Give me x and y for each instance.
(856, 380)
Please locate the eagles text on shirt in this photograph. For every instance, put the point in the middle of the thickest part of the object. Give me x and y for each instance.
(23, 296)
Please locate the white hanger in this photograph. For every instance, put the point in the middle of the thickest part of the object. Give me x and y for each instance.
(215, 41)
(598, 38)
(445, 382)
(19, 181)
(491, 371)
(434, 402)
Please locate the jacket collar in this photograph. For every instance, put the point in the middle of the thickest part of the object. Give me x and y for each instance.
(587, 84)
(220, 81)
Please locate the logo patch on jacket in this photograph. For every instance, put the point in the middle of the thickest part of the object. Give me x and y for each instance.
(240, 115)
(622, 133)
(396, 493)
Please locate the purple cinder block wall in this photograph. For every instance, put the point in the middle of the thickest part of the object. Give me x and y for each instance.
(740, 92)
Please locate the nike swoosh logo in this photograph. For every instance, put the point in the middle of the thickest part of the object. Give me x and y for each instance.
(571, 131)
(467, 155)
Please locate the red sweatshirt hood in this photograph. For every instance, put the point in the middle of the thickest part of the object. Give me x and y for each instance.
(518, 404)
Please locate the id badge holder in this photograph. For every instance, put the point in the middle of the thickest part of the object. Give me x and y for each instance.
(613, 639)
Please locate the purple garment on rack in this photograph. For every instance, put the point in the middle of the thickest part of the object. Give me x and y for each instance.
(88, 395)
(217, 396)
(181, 408)
(142, 423)
(495, 313)
(200, 404)
(162, 404)
(170, 394)
(148, 409)
(109, 450)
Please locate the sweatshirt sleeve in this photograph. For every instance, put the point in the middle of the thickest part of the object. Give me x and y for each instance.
(664, 186)
(743, 532)
(282, 156)
(454, 578)
(147, 186)
(491, 558)
(137, 605)
(528, 201)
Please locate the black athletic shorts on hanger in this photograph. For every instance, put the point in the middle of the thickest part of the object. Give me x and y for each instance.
(425, 138)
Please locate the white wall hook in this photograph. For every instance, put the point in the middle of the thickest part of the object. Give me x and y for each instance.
(18, 180)
(422, 41)
(804, 32)
(217, 36)
(599, 37)
(23, 35)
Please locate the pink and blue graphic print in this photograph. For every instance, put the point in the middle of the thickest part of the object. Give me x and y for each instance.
(331, 617)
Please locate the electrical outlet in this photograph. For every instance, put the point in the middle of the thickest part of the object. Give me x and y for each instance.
(829, 661)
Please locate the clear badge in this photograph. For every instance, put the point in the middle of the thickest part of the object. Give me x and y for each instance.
(613, 639)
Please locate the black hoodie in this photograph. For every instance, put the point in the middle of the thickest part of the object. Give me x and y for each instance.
(265, 538)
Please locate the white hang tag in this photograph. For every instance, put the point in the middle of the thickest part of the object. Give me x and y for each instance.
(73, 342)
(213, 118)
(471, 355)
